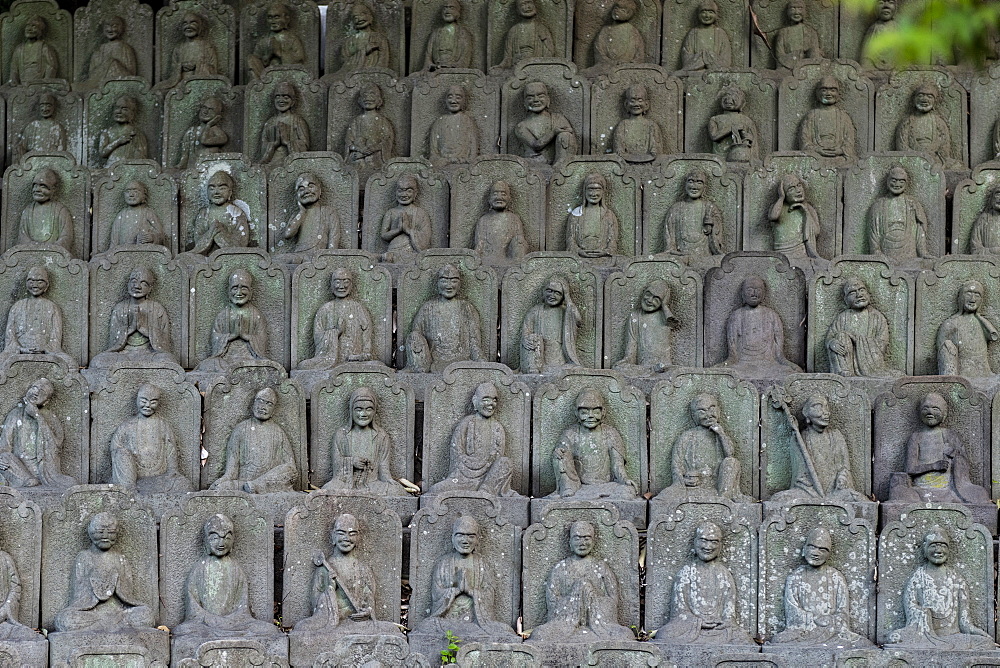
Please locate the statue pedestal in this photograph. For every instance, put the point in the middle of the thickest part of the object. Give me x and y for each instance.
(513, 509)
(304, 648)
(562, 655)
(983, 513)
(24, 652)
(146, 645)
(697, 655)
(865, 511)
(660, 507)
(189, 646)
(819, 657)
(632, 510)
(430, 645)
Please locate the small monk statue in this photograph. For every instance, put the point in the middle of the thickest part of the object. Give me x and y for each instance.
(31, 442)
(499, 232)
(46, 220)
(222, 222)
(204, 136)
(649, 332)
(137, 222)
(361, 450)
(446, 329)
(365, 46)
(11, 629)
(755, 333)
(885, 21)
(637, 138)
(35, 322)
(450, 45)
(45, 134)
(138, 327)
(858, 338)
(897, 221)
(707, 46)
(620, 42)
(281, 46)
(370, 140)
(985, 236)
(406, 227)
(794, 221)
(963, 339)
(144, 449)
(829, 130)
(528, 38)
(734, 135)
(454, 136)
(195, 55)
(115, 59)
(925, 130)
(547, 136)
(315, 226)
(548, 334)
(239, 333)
(592, 229)
(796, 41)
(693, 225)
(343, 327)
(34, 59)
(124, 140)
(286, 132)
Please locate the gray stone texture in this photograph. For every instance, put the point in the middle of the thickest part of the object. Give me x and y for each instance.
(380, 198)
(21, 529)
(356, 651)
(591, 16)
(298, 42)
(104, 136)
(567, 200)
(95, 57)
(702, 103)
(347, 49)
(982, 117)
(247, 195)
(569, 96)
(187, 136)
(110, 201)
(179, 57)
(21, 64)
(222, 652)
(30, 131)
(470, 49)
(680, 16)
(558, 17)
(973, 213)
(499, 655)
(482, 100)
(608, 106)
(265, 127)
(772, 16)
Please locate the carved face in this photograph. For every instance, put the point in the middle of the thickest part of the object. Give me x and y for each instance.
(795, 193)
(454, 101)
(708, 543)
(937, 552)
(363, 412)
(38, 394)
(103, 532)
(924, 100)
(622, 12)
(705, 411)
(341, 286)
(41, 190)
(730, 101)
(37, 283)
(816, 551)
(590, 414)
(283, 100)
(896, 182)
(34, 28)
(995, 200)
(817, 413)
(526, 9)
(487, 402)
(139, 285)
(594, 193)
(124, 110)
(220, 542)
(636, 102)
(857, 296)
(451, 11)
(146, 403)
(220, 191)
(208, 110)
(46, 107)
(886, 10)
(277, 18)
(370, 98)
(465, 541)
(581, 540)
(361, 17)
(536, 98)
(828, 94)
(694, 186)
(499, 198)
(263, 406)
(448, 285)
(796, 12)
(135, 194)
(240, 292)
(972, 299)
(932, 411)
(707, 16)
(308, 190)
(753, 292)
(114, 28)
(191, 26)
(552, 295)
(345, 534)
(406, 192)
(650, 302)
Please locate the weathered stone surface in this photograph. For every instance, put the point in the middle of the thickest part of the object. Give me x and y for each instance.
(613, 654)
(187, 49)
(237, 213)
(597, 33)
(569, 208)
(21, 560)
(636, 136)
(464, 49)
(513, 37)
(741, 134)
(45, 54)
(446, 136)
(356, 651)
(121, 219)
(974, 213)
(356, 39)
(793, 41)
(223, 652)
(32, 126)
(568, 100)
(201, 117)
(97, 56)
(983, 145)
(681, 17)
(498, 655)
(384, 208)
(278, 127)
(279, 39)
(121, 122)
(330, 223)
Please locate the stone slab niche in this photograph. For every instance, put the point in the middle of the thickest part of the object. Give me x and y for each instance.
(115, 208)
(260, 53)
(21, 536)
(96, 58)
(201, 117)
(349, 48)
(433, 125)
(30, 131)
(610, 115)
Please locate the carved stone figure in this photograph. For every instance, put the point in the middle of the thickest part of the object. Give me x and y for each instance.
(446, 329)
(370, 138)
(315, 226)
(707, 46)
(361, 451)
(794, 221)
(144, 449)
(406, 227)
(817, 600)
(985, 236)
(44, 134)
(528, 38)
(858, 338)
(885, 21)
(342, 328)
(285, 132)
(45, 220)
(581, 595)
(937, 467)
(704, 457)
(454, 137)
(936, 603)
(342, 590)
(827, 129)
(239, 333)
(115, 58)
(548, 334)
(754, 333)
(139, 327)
(693, 225)
(649, 333)
(637, 137)
(592, 228)
(102, 589)
(964, 338)
(281, 46)
(10, 591)
(365, 45)
(204, 136)
(500, 232)
(222, 223)
(449, 45)
(478, 449)
(216, 590)
(35, 323)
(703, 603)
(620, 41)
(589, 462)
(136, 223)
(797, 41)
(33, 59)
(547, 136)
(259, 457)
(123, 140)
(734, 135)
(924, 129)
(898, 221)
(195, 56)
(31, 441)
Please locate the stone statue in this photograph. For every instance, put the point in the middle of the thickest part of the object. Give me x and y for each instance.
(548, 136)
(144, 449)
(115, 59)
(936, 602)
(35, 323)
(937, 467)
(194, 56)
(370, 138)
(361, 449)
(620, 41)
(449, 45)
(693, 225)
(123, 140)
(136, 223)
(820, 461)
(31, 441)
(963, 339)
(794, 221)
(589, 461)
(281, 46)
(755, 334)
(703, 604)
(858, 338)
(797, 41)
(827, 129)
(898, 221)
(239, 333)
(528, 38)
(315, 226)
(46, 220)
(592, 228)
(581, 595)
(817, 601)
(216, 591)
(548, 334)
(139, 327)
(649, 332)
(446, 329)
(204, 136)
(637, 137)
(925, 130)
(222, 222)
(462, 592)
(706, 46)
(985, 237)
(885, 21)
(406, 227)
(259, 457)
(342, 590)
(103, 596)
(478, 449)
(44, 134)
(500, 232)
(454, 137)
(704, 460)
(364, 46)
(734, 135)
(286, 132)
(10, 603)
(34, 59)
(343, 327)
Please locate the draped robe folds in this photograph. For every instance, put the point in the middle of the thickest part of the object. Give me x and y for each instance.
(795, 43)
(590, 464)
(370, 140)
(103, 596)
(925, 450)
(703, 593)
(985, 237)
(318, 228)
(449, 45)
(33, 61)
(927, 133)
(222, 226)
(335, 596)
(280, 48)
(30, 449)
(649, 338)
(527, 39)
(113, 60)
(46, 223)
(706, 48)
(963, 345)
(138, 329)
(818, 610)
(444, 331)
(831, 461)
(360, 461)
(463, 600)
(218, 602)
(897, 227)
(500, 235)
(44, 135)
(756, 340)
(10, 602)
(619, 43)
(453, 138)
(136, 225)
(258, 456)
(199, 140)
(734, 130)
(35, 326)
(877, 28)
(144, 454)
(693, 227)
(865, 335)
(544, 130)
(548, 338)
(592, 228)
(363, 49)
(829, 131)
(581, 597)
(194, 58)
(478, 463)
(638, 138)
(342, 332)
(795, 230)
(282, 134)
(239, 333)
(136, 149)
(697, 450)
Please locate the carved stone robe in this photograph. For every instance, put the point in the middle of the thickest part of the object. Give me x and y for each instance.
(553, 329)
(619, 43)
(829, 454)
(218, 601)
(928, 133)
(360, 461)
(581, 596)
(113, 60)
(144, 453)
(282, 134)
(963, 345)
(638, 138)
(194, 58)
(30, 449)
(453, 138)
(703, 592)
(364, 49)
(756, 339)
(463, 600)
(829, 129)
(199, 140)
(449, 45)
(897, 227)
(335, 596)
(319, 228)
(342, 332)
(865, 334)
(734, 136)
(136, 225)
(590, 464)
(478, 464)
(136, 149)
(592, 228)
(258, 455)
(46, 223)
(45, 135)
(706, 48)
(139, 329)
(527, 39)
(818, 610)
(102, 595)
(238, 334)
(985, 237)
(444, 331)
(926, 447)
(10, 602)
(370, 141)
(500, 235)
(33, 61)
(223, 226)
(693, 227)
(649, 338)
(795, 43)
(35, 325)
